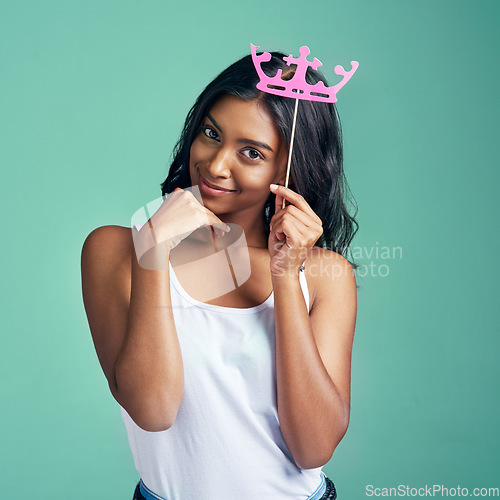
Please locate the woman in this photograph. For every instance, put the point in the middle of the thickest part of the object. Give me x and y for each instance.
(243, 394)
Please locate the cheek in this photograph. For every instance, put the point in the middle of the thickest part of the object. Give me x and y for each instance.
(195, 156)
(256, 180)
(194, 152)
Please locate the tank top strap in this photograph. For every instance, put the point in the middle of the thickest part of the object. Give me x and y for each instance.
(303, 285)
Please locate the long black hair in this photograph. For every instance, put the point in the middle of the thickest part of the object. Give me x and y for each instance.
(316, 170)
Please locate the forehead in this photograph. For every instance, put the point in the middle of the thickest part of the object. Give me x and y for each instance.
(246, 119)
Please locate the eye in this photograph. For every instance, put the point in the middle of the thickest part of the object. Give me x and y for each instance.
(210, 132)
(253, 154)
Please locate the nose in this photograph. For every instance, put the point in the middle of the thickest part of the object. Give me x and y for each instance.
(219, 165)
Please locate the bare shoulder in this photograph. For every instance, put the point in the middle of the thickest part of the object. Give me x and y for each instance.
(106, 262)
(106, 239)
(107, 248)
(330, 277)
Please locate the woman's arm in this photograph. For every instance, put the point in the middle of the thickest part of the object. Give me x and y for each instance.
(129, 308)
(313, 350)
(313, 360)
(132, 327)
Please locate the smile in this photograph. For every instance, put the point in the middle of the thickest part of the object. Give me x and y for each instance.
(212, 189)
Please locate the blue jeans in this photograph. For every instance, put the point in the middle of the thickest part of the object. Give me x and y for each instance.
(142, 492)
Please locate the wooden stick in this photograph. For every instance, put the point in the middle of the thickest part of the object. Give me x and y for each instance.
(291, 148)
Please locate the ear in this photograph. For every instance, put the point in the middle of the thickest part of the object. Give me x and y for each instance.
(290, 183)
(282, 179)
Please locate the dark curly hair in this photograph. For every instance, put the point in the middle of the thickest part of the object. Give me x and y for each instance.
(316, 170)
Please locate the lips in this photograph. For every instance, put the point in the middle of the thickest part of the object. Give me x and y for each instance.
(212, 189)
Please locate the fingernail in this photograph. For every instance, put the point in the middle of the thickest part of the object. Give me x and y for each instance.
(273, 186)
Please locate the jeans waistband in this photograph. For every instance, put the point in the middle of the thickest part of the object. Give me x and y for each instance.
(147, 493)
(316, 495)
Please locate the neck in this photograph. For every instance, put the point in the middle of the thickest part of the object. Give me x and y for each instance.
(253, 226)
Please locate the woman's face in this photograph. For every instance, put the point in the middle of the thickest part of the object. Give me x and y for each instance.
(238, 151)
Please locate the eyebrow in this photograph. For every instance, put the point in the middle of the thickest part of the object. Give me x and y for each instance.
(256, 143)
(217, 126)
(242, 140)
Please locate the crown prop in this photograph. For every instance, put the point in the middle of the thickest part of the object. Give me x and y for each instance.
(297, 87)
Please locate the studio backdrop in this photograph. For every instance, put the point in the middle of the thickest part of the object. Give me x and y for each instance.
(92, 100)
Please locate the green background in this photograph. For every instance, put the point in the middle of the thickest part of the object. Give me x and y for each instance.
(92, 98)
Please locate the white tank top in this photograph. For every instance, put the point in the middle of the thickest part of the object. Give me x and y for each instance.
(226, 441)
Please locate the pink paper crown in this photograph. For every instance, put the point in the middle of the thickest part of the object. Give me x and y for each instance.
(297, 87)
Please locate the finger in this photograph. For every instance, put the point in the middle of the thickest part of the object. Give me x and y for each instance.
(210, 218)
(176, 191)
(307, 224)
(278, 202)
(221, 228)
(297, 234)
(297, 213)
(217, 231)
(216, 222)
(205, 217)
(292, 231)
(293, 198)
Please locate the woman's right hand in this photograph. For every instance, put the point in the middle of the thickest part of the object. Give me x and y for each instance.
(179, 216)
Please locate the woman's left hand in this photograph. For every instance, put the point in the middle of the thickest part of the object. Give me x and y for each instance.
(293, 232)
